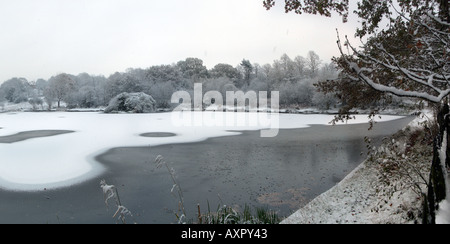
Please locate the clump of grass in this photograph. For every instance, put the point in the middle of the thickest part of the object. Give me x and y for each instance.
(227, 215)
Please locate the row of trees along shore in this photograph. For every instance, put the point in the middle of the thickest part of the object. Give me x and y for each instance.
(295, 78)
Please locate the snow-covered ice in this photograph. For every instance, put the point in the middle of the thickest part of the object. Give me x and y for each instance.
(67, 159)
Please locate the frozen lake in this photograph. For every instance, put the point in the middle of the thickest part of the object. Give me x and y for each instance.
(213, 161)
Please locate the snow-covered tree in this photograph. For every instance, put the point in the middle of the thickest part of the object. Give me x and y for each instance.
(163, 73)
(15, 90)
(416, 66)
(288, 68)
(225, 70)
(313, 61)
(324, 8)
(41, 85)
(59, 87)
(162, 93)
(193, 69)
(300, 64)
(248, 69)
(408, 58)
(35, 102)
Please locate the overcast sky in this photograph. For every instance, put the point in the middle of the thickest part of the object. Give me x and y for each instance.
(41, 38)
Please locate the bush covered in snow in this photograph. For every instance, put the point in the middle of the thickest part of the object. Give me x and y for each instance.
(132, 102)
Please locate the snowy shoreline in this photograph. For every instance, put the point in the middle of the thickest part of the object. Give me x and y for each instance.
(352, 201)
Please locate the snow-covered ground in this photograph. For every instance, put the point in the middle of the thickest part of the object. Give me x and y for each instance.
(443, 213)
(67, 159)
(347, 202)
(356, 199)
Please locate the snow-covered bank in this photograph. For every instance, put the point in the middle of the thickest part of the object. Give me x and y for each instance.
(64, 160)
(357, 199)
(347, 202)
(443, 213)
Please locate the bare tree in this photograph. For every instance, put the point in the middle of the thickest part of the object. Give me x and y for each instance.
(59, 87)
(313, 61)
(248, 69)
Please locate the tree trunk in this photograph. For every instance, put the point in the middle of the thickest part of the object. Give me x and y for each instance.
(437, 177)
(437, 183)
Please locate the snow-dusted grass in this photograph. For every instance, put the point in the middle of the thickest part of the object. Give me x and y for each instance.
(110, 193)
(64, 160)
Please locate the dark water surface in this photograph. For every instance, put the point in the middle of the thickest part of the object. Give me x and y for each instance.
(281, 173)
(22, 136)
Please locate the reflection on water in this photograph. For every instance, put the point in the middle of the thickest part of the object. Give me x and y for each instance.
(282, 173)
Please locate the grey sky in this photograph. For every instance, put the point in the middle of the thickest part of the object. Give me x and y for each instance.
(41, 38)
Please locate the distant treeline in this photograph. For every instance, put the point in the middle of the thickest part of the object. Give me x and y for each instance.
(293, 78)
